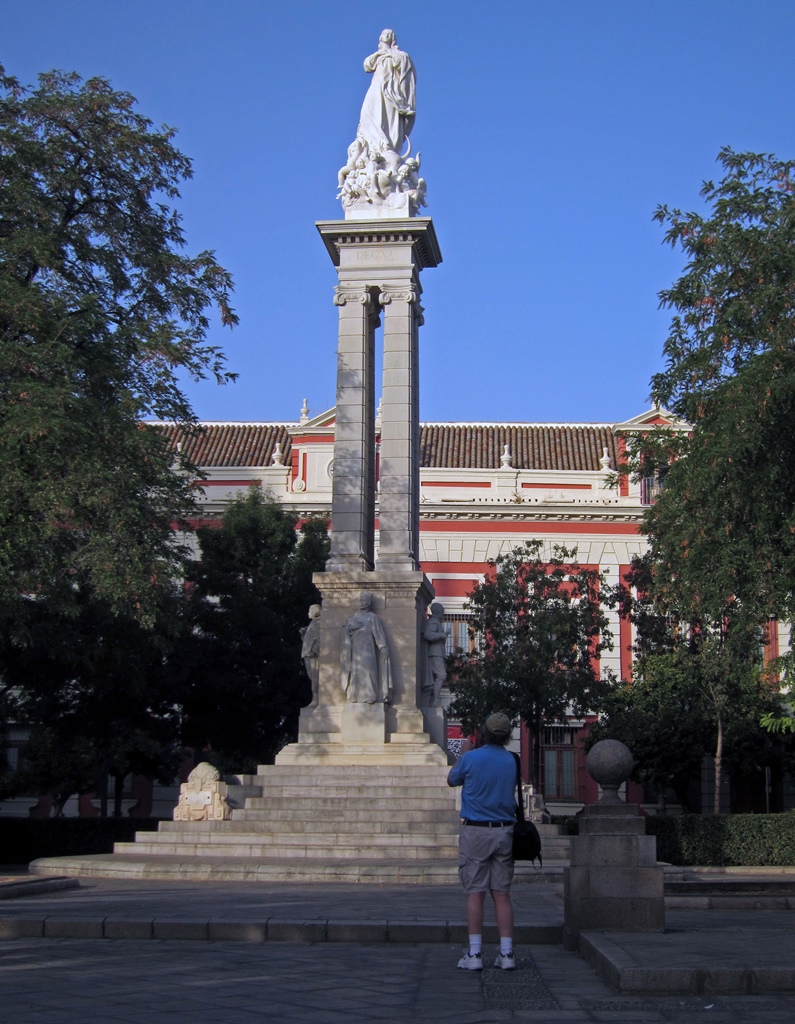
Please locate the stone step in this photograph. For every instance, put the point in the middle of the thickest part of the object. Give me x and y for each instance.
(327, 846)
(425, 755)
(731, 887)
(309, 806)
(366, 871)
(323, 840)
(327, 854)
(399, 808)
(239, 794)
(359, 822)
(553, 846)
(348, 793)
(398, 772)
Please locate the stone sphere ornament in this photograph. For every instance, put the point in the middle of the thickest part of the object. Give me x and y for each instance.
(610, 763)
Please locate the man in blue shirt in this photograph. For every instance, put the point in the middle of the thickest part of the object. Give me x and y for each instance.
(485, 858)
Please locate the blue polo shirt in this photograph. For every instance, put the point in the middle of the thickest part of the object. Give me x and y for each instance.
(488, 776)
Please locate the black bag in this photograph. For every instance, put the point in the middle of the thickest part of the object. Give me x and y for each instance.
(526, 840)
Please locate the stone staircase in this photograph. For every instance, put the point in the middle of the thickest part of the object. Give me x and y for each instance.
(313, 823)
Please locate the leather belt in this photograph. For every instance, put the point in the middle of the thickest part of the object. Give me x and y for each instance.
(488, 824)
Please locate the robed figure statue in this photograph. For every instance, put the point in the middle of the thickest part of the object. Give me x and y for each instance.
(388, 110)
(365, 656)
(381, 173)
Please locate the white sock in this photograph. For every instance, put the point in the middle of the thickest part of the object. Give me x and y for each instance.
(475, 944)
(506, 946)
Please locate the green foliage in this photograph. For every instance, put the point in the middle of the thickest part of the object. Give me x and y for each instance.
(100, 309)
(730, 840)
(25, 839)
(777, 723)
(538, 628)
(568, 824)
(663, 717)
(697, 690)
(92, 687)
(722, 532)
(724, 840)
(251, 592)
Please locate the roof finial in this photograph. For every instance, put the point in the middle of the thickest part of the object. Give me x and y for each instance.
(505, 458)
(606, 462)
(304, 415)
(277, 459)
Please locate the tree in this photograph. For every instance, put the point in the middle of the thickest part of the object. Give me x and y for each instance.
(722, 532)
(662, 716)
(697, 689)
(538, 629)
(93, 688)
(100, 309)
(250, 595)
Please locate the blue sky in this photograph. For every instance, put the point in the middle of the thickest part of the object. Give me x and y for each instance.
(549, 131)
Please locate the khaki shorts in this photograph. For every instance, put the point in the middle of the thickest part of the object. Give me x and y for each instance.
(485, 858)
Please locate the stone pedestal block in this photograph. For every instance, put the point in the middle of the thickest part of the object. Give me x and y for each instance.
(364, 724)
(614, 882)
(435, 721)
(329, 733)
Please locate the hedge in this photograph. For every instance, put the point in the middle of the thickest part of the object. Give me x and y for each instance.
(725, 840)
(25, 839)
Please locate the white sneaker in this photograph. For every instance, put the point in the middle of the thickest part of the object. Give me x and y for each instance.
(505, 961)
(471, 961)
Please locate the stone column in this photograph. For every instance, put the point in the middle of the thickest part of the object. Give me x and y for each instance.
(353, 486)
(398, 548)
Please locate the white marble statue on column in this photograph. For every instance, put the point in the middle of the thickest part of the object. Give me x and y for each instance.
(310, 650)
(435, 635)
(365, 656)
(381, 177)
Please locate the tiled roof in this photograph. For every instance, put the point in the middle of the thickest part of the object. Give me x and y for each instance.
(544, 446)
(532, 446)
(231, 444)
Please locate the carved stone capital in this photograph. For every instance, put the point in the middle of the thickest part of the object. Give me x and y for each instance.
(386, 296)
(342, 296)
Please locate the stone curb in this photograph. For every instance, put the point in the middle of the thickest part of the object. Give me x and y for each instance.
(730, 902)
(33, 886)
(615, 965)
(270, 930)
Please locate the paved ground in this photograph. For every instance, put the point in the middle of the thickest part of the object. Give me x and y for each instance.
(159, 981)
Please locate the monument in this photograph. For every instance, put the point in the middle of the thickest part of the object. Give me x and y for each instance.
(367, 706)
(362, 795)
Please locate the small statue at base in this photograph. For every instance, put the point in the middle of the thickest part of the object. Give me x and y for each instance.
(435, 635)
(310, 650)
(365, 656)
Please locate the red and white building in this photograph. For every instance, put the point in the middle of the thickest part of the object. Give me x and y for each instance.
(484, 489)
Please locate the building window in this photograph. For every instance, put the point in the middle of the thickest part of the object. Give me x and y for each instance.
(458, 637)
(16, 738)
(560, 763)
(651, 486)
